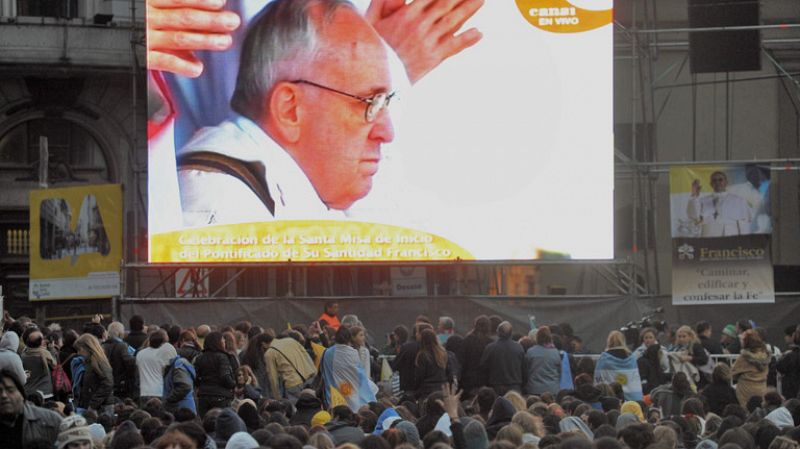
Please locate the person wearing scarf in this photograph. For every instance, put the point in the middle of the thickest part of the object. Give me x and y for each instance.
(751, 368)
(617, 364)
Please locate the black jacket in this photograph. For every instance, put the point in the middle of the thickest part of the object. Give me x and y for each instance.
(718, 395)
(428, 376)
(789, 367)
(97, 389)
(404, 365)
(136, 339)
(123, 367)
(651, 374)
(712, 346)
(471, 361)
(502, 365)
(214, 374)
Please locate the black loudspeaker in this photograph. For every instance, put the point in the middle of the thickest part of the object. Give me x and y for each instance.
(724, 51)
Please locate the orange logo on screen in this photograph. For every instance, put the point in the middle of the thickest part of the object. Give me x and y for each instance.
(560, 16)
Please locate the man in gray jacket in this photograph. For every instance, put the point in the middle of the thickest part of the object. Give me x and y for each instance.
(22, 423)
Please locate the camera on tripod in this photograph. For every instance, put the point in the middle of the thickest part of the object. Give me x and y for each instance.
(632, 329)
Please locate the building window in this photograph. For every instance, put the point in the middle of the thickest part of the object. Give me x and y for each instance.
(71, 148)
(48, 8)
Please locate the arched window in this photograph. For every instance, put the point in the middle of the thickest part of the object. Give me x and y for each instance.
(75, 155)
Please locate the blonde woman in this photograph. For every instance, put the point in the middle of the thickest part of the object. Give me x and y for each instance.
(617, 364)
(97, 384)
(690, 350)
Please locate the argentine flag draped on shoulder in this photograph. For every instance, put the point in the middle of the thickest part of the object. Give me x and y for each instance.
(345, 378)
(624, 371)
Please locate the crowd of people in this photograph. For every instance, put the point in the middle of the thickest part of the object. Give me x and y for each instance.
(327, 385)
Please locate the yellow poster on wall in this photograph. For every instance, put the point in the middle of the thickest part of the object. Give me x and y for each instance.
(76, 242)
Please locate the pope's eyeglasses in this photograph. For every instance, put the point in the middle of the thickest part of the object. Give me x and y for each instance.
(375, 103)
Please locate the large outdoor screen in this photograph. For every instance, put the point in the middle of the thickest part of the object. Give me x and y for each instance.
(398, 132)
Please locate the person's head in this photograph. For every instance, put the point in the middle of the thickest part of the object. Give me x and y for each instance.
(482, 326)
(157, 338)
(12, 396)
(314, 75)
(681, 384)
(74, 433)
(719, 181)
(637, 436)
(446, 325)
(616, 340)
(136, 323)
(230, 341)
(752, 341)
(332, 308)
(783, 442)
(116, 330)
(214, 342)
(743, 325)
(685, 336)
(504, 330)
(88, 346)
(358, 337)
(667, 436)
(721, 374)
(400, 334)
(543, 336)
(343, 336)
(245, 376)
(703, 329)
(33, 338)
(693, 406)
(647, 336)
(203, 330)
(788, 334)
(429, 346)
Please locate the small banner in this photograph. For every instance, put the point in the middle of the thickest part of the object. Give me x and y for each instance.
(76, 242)
(721, 229)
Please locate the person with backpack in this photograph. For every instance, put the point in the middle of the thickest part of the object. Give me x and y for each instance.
(97, 383)
(179, 385)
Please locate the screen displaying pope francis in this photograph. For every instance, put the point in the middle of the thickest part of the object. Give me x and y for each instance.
(383, 130)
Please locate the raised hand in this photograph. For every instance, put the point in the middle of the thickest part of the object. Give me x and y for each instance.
(177, 28)
(422, 32)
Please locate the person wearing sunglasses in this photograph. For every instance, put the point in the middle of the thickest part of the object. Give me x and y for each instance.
(312, 98)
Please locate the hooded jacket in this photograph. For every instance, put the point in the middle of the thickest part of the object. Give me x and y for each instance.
(228, 423)
(781, 418)
(307, 406)
(9, 359)
(573, 423)
(500, 416)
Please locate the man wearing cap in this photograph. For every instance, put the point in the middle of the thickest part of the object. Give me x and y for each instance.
(729, 339)
(22, 423)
